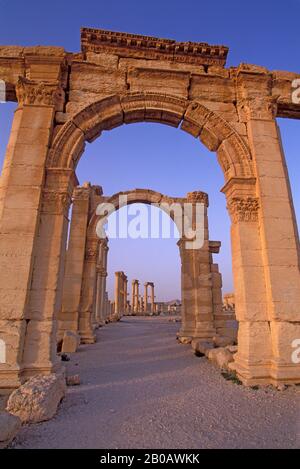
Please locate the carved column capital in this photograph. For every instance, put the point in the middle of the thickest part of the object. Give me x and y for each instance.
(38, 93)
(91, 250)
(243, 209)
(56, 202)
(258, 108)
(197, 197)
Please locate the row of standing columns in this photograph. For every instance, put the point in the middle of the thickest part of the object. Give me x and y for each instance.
(85, 303)
(140, 304)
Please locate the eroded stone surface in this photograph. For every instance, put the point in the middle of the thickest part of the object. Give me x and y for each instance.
(220, 357)
(37, 400)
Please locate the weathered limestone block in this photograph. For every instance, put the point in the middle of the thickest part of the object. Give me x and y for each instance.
(11, 51)
(221, 341)
(232, 348)
(37, 400)
(131, 63)
(109, 61)
(212, 88)
(220, 357)
(9, 427)
(226, 110)
(70, 342)
(96, 79)
(185, 340)
(174, 83)
(201, 347)
(98, 83)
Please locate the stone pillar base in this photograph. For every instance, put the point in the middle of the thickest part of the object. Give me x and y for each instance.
(204, 335)
(10, 379)
(47, 369)
(88, 338)
(253, 374)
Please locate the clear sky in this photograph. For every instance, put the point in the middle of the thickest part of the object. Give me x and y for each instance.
(153, 156)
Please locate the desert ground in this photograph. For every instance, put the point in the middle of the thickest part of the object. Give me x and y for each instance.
(141, 389)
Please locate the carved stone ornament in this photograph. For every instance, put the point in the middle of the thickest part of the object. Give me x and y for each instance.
(259, 108)
(243, 209)
(197, 196)
(38, 93)
(56, 202)
(91, 251)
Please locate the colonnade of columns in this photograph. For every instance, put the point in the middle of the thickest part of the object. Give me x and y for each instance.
(85, 303)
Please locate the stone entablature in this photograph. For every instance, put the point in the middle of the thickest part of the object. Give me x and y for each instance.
(136, 45)
(115, 63)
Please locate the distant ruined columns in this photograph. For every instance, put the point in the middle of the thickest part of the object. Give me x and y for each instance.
(146, 308)
(135, 296)
(101, 313)
(120, 294)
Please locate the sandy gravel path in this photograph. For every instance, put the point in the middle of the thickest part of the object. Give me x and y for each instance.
(140, 389)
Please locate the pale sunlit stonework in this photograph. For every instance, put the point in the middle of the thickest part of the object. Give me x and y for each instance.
(65, 99)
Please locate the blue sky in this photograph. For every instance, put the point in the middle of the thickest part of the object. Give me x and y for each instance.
(151, 155)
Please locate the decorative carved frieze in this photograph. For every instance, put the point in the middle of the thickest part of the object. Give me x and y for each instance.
(56, 202)
(38, 93)
(259, 108)
(243, 209)
(135, 45)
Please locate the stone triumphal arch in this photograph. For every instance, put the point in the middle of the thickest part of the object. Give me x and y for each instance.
(67, 99)
(84, 282)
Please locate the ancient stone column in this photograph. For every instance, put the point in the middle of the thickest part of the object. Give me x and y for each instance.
(135, 284)
(87, 301)
(152, 297)
(101, 274)
(132, 295)
(145, 305)
(124, 293)
(69, 314)
(31, 276)
(117, 294)
(265, 246)
(196, 283)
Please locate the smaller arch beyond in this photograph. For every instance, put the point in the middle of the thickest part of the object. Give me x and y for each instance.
(216, 134)
(144, 196)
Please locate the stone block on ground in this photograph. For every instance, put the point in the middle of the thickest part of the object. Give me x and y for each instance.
(232, 348)
(37, 400)
(200, 347)
(70, 342)
(220, 357)
(184, 340)
(9, 427)
(222, 341)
